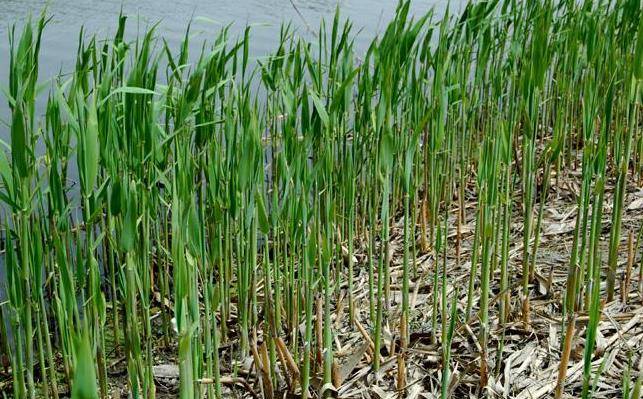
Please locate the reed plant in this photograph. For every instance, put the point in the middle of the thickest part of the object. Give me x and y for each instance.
(229, 207)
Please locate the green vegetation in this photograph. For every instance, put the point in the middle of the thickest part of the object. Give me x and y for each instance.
(222, 209)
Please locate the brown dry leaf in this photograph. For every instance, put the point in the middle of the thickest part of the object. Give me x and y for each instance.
(351, 362)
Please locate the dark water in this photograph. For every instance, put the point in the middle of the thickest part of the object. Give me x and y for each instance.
(99, 17)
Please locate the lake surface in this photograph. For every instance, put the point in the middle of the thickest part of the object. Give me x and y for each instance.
(100, 17)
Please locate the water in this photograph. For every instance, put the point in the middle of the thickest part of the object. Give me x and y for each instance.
(100, 17)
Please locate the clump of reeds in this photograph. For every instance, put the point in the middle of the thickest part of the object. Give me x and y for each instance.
(249, 203)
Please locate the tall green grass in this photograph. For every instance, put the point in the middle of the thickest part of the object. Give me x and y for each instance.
(231, 208)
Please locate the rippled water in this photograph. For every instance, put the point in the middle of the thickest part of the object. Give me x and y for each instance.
(99, 17)
(266, 16)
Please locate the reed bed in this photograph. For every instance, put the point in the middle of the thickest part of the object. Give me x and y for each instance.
(454, 212)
